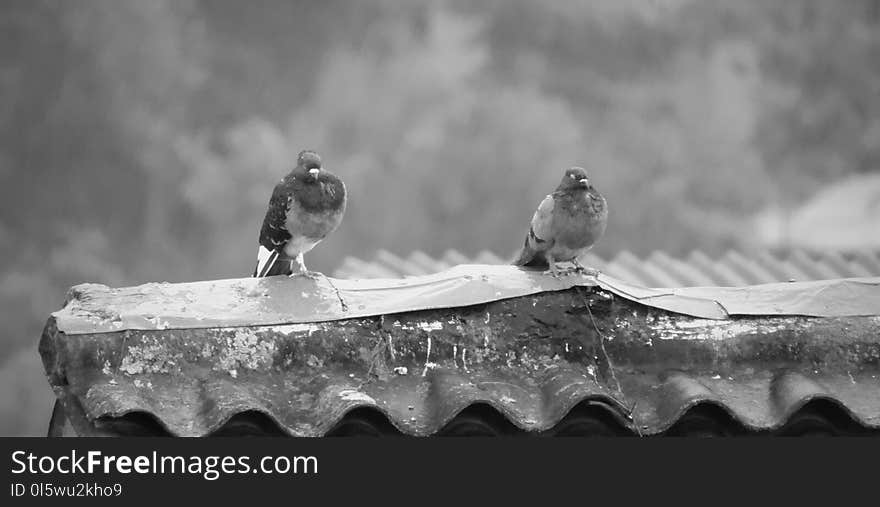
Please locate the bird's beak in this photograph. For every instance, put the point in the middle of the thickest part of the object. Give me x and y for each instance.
(314, 173)
(584, 182)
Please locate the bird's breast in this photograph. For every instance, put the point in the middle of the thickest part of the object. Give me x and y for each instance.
(313, 225)
(299, 245)
(580, 223)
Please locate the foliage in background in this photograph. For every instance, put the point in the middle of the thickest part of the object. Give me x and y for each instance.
(139, 141)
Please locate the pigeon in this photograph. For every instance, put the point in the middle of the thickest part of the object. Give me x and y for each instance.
(306, 206)
(567, 223)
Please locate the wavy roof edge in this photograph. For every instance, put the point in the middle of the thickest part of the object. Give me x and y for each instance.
(793, 396)
(535, 360)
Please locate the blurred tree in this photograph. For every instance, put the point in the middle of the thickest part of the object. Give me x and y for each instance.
(826, 123)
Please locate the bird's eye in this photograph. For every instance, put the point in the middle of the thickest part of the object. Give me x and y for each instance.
(572, 176)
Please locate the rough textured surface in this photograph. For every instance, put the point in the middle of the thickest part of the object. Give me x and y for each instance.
(93, 308)
(529, 361)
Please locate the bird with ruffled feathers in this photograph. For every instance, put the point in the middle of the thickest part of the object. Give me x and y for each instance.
(306, 206)
(568, 222)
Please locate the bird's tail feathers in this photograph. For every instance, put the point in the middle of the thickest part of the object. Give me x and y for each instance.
(529, 257)
(265, 261)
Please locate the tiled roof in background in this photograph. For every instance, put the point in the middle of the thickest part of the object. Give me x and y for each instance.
(658, 269)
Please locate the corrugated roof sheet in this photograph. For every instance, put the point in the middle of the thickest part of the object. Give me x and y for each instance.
(538, 363)
(732, 269)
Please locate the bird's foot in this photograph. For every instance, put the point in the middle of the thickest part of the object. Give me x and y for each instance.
(581, 269)
(313, 275)
(552, 270)
(591, 272)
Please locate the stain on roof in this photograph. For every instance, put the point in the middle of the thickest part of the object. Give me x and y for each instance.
(732, 269)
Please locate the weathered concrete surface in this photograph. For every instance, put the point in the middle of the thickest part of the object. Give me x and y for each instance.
(93, 308)
(533, 358)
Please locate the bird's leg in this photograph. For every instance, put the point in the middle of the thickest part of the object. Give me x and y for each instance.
(301, 269)
(551, 266)
(300, 266)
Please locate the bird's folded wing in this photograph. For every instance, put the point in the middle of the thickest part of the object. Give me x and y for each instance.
(541, 232)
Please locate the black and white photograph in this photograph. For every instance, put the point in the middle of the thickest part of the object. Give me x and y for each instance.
(439, 218)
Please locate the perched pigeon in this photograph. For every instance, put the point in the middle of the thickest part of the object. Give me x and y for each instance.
(305, 207)
(568, 222)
